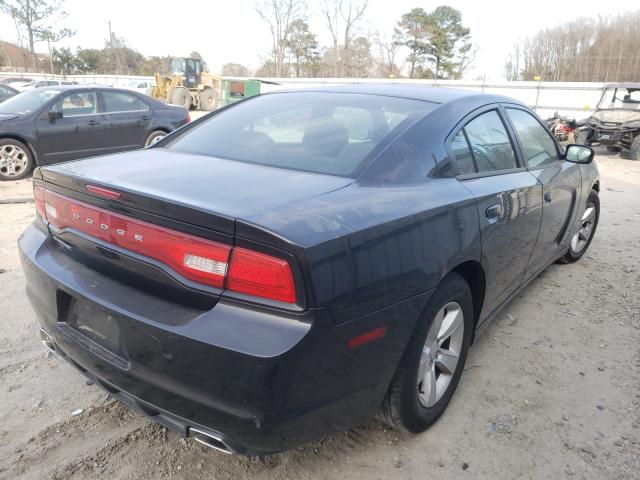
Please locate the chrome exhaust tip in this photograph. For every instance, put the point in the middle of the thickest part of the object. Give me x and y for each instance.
(209, 440)
(47, 340)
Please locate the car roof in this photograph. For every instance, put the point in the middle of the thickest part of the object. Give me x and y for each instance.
(623, 85)
(70, 88)
(433, 94)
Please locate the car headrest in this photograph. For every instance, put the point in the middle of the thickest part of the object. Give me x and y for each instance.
(327, 136)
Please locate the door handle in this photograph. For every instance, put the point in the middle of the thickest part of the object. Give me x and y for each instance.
(146, 117)
(548, 196)
(494, 211)
(94, 122)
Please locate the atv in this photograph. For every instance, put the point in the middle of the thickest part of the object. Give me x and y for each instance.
(616, 121)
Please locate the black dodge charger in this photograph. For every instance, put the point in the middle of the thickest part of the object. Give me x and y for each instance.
(55, 124)
(295, 263)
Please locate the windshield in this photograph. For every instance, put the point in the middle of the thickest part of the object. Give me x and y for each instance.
(620, 98)
(328, 133)
(28, 102)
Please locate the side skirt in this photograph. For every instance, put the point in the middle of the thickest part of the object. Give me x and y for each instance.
(483, 326)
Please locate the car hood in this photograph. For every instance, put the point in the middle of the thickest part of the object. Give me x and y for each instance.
(616, 116)
(208, 184)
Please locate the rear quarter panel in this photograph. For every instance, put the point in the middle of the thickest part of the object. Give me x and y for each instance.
(365, 248)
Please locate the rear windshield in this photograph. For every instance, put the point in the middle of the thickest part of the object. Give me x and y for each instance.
(320, 132)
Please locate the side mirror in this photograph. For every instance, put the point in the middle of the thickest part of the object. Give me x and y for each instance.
(579, 154)
(54, 115)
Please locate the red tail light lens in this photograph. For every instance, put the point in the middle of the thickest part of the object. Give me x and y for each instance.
(262, 275)
(38, 196)
(198, 259)
(188, 117)
(195, 258)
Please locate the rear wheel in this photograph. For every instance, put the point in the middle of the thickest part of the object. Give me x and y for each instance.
(154, 137)
(16, 160)
(432, 364)
(582, 137)
(182, 97)
(581, 239)
(208, 100)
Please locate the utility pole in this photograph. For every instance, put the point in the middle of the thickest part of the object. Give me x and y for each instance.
(117, 54)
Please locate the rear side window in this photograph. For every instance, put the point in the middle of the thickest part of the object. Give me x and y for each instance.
(321, 132)
(538, 147)
(462, 153)
(122, 102)
(490, 144)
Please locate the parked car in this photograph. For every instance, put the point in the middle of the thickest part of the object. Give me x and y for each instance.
(56, 124)
(13, 81)
(616, 121)
(7, 92)
(43, 83)
(287, 267)
(140, 86)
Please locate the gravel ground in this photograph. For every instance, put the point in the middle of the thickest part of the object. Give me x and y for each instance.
(552, 388)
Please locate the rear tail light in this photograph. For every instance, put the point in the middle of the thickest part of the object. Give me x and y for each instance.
(38, 196)
(188, 117)
(198, 259)
(261, 275)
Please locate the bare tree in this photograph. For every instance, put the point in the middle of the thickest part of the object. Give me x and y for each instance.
(342, 17)
(279, 15)
(37, 17)
(388, 51)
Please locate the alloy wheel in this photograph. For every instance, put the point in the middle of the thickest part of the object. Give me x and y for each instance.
(440, 354)
(13, 160)
(582, 236)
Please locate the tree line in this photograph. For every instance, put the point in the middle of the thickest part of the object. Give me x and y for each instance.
(584, 50)
(434, 44)
(437, 42)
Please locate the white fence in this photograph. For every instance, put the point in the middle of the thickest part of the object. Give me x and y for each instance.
(573, 99)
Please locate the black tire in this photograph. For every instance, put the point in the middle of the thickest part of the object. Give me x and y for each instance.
(401, 408)
(634, 150)
(582, 138)
(154, 137)
(16, 160)
(572, 255)
(182, 97)
(208, 100)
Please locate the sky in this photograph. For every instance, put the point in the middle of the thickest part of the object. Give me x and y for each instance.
(231, 31)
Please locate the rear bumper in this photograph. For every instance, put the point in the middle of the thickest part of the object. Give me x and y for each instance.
(258, 380)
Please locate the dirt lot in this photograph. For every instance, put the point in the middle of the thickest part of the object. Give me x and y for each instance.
(552, 388)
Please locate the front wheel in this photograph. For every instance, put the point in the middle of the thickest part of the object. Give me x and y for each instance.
(208, 100)
(16, 160)
(432, 364)
(581, 239)
(582, 138)
(634, 150)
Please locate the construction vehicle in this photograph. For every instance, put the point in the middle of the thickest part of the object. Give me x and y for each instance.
(191, 87)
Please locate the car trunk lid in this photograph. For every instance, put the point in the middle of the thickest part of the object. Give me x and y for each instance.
(203, 191)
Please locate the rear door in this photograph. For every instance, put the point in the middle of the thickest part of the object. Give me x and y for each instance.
(560, 181)
(79, 133)
(508, 198)
(128, 120)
